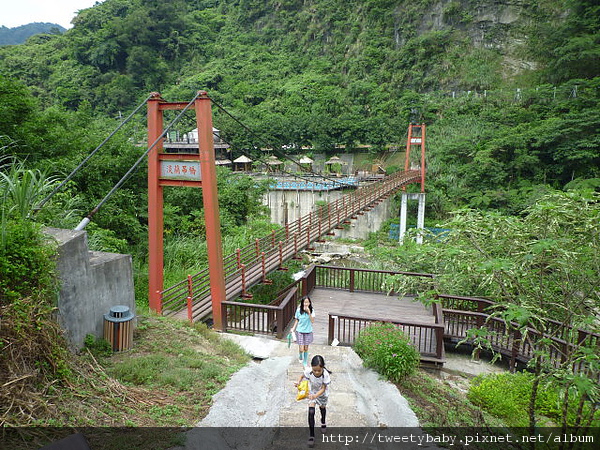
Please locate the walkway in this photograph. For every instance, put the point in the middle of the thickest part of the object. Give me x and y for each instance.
(261, 397)
(384, 307)
(257, 409)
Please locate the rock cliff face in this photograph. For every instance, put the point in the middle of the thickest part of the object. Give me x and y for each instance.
(487, 23)
(482, 19)
(501, 25)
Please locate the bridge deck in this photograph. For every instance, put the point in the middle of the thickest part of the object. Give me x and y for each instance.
(365, 304)
(251, 264)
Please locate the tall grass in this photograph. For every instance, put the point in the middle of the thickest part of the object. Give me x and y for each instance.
(187, 255)
(21, 188)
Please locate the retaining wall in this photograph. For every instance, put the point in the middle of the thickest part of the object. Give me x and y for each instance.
(288, 205)
(91, 283)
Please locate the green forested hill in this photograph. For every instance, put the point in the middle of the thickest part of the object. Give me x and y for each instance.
(254, 50)
(507, 89)
(18, 35)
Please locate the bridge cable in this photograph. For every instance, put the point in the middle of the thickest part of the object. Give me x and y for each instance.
(334, 181)
(87, 158)
(88, 218)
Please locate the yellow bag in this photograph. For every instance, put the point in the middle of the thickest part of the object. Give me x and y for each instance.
(302, 390)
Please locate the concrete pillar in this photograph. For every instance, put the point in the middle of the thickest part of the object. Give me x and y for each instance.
(402, 228)
(421, 217)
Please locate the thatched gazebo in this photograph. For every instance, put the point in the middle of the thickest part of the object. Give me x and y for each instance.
(242, 164)
(335, 165)
(223, 162)
(273, 164)
(306, 163)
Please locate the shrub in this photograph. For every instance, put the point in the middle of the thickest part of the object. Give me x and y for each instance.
(26, 265)
(506, 396)
(263, 294)
(386, 349)
(98, 346)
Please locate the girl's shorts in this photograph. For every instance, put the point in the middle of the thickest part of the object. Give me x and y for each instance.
(321, 401)
(304, 338)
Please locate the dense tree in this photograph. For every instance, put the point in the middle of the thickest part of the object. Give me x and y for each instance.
(572, 49)
(26, 267)
(17, 107)
(310, 74)
(542, 270)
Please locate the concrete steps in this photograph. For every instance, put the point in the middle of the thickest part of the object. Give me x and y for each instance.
(343, 398)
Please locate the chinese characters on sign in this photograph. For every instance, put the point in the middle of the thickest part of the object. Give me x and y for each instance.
(180, 170)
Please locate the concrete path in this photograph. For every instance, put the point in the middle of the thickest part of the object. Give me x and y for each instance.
(257, 409)
(261, 398)
(357, 396)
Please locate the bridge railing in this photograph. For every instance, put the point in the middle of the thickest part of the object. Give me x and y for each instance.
(250, 265)
(276, 317)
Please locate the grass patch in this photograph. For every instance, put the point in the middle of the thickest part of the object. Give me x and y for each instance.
(166, 380)
(437, 404)
(441, 407)
(507, 395)
(188, 363)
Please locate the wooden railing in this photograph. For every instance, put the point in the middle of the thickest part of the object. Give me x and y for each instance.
(261, 319)
(507, 340)
(454, 316)
(362, 280)
(427, 338)
(264, 319)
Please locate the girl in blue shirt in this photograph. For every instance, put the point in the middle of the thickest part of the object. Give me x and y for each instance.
(305, 316)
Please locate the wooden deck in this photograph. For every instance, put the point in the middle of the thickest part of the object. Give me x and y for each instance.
(364, 304)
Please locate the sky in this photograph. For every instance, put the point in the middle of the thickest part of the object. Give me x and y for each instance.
(14, 13)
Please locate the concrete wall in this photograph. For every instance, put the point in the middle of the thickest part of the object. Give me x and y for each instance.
(370, 222)
(91, 283)
(288, 206)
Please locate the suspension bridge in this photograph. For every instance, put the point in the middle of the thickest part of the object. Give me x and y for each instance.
(213, 292)
(227, 278)
(252, 264)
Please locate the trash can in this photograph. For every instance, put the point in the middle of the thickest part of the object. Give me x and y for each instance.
(118, 328)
